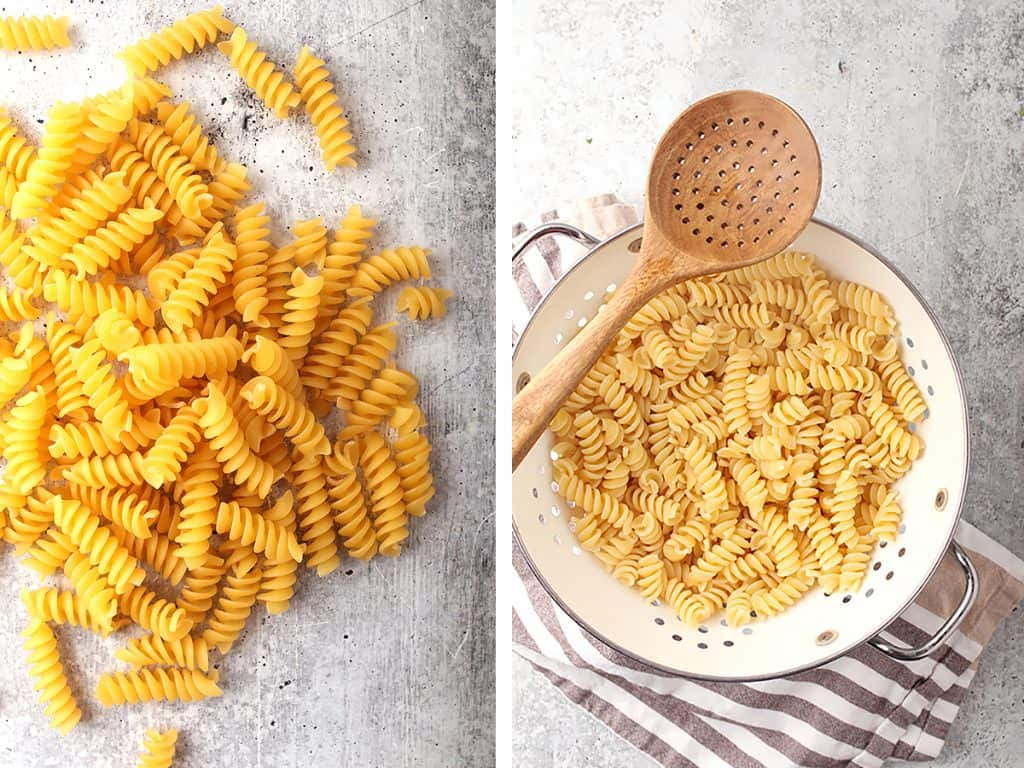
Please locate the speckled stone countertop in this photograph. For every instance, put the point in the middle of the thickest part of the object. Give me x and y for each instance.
(382, 664)
(918, 108)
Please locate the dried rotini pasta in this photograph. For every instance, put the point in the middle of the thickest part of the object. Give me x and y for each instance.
(158, 749)
(735, 446)
(169, 423)
(423, 303)
(33, 33)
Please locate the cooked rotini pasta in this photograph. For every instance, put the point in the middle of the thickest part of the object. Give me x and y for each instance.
(736, 445)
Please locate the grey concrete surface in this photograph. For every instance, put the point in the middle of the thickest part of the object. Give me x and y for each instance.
(918, 108)
(386, 664)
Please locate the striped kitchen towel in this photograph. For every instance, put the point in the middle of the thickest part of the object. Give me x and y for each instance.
(863, 709)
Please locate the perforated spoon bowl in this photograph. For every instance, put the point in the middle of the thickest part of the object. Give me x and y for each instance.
(733, 181)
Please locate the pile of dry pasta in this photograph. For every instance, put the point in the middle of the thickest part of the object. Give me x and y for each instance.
(737, 444)
(163, 445)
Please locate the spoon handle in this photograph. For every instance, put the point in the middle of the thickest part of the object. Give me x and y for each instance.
(534, 407)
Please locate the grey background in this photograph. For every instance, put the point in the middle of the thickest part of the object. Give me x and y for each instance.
(918, 107)
(386, 664)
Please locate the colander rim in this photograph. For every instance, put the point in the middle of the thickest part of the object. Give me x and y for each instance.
(964, 477)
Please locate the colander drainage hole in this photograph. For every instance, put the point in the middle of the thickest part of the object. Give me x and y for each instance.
(659, 621)
(702, 629)
(924, 364)
(522, 381)
(910, 342)
(902, 552)
(724, 623)
(655, 603)
(677, 638)
(588, 295)
(557, 539)
(540, 518)
(876, 566)
(888, 576)
(882, 544)
(931, 390)
(702, 646)
(576, 550)
(558, 338)
(555, 511)
(910, 370)
(554, 487)
(728, 643)
(847, 599)
(535, 494)
(748, 631)
(869, 593)
(902, 529)
(940, 499)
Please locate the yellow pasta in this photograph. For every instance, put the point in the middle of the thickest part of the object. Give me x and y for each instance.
(423, 303)
(46, 668)
(185, 369)
(734, 446)
(33, 33)
(158, 749)
(313, 80)
(260, 74)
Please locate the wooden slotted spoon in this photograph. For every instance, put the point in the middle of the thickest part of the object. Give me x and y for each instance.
(733, 181)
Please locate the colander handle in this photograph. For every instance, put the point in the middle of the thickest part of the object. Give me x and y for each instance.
(554, 228)
(902, 653)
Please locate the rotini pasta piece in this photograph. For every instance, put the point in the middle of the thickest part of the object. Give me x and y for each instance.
(259, 73)
(271, 400)
(121, 470)
(423, 303)
(105, 393)
(224, 433)
(95, 541)
(250, 528)
(14, 375)
(348, 503)
(45, 174)
(707, 478)
(249, 277)
(116, 332)
(299, 320)
(650, 576)
(843, 378)
(186, 134)
(185, 303)
(158, 749)
(157, 684)
(200, 587)
(381, 396)
(79, 298)
(278, 584)
(163, 461)
(186, 35)
(158, 368)
(337, 342)
(61, 607)
(324, 110)
(232, 608)
(902, 442)
(903, 389)
(92, 589)
(33, 33)
(386, 496)
(16, 305)
(105, 117)
(16, 154)
(46, 669)
(769, 602)
(267, 358)
(154, 614)
(28, 516)
(594, 501)
(108, 245)
(87, 439)
(121, 506)
(389, 267)
(23, 451)
(172, 167)
(343, 256)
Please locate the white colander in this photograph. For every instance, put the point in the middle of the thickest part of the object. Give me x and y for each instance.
(818, 628)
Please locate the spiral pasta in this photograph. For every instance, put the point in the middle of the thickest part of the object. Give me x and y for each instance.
(423, 303)
(388, 267)
(733, 448)
(155, 685)
(260, 74)
(46, 668)
(158, 749)
(186, 35)
(298, 423)
(33, 33)
(48, 171)
(146, 432)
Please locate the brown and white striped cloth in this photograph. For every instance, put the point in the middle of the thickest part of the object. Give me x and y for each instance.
(863, 709)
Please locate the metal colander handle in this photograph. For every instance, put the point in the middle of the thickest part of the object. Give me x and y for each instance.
(903, 653)
(554, 228)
